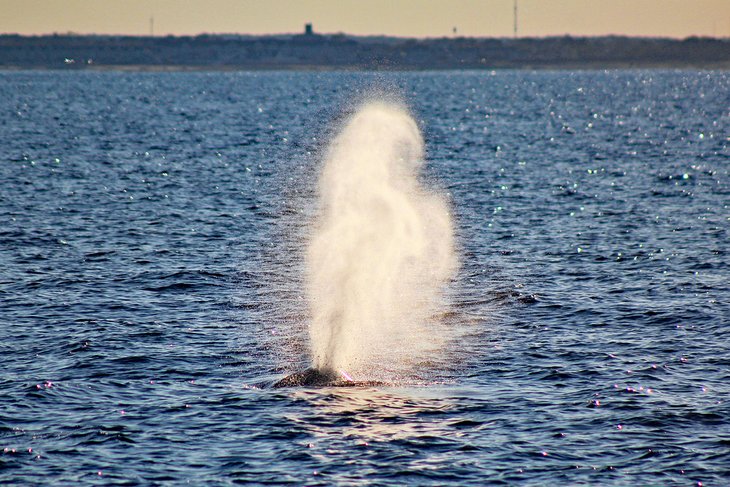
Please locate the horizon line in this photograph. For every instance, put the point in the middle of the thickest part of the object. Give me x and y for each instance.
(345, 34)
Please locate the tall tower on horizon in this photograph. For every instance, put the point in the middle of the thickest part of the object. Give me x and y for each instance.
(514, 27)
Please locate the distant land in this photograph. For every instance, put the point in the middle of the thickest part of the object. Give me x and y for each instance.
(313, 51)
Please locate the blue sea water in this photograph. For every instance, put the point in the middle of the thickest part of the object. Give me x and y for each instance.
(151, 281)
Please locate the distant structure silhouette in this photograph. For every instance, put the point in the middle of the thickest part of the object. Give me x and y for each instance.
(308, 29)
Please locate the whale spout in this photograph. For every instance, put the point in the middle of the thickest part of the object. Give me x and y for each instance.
(322, 378)
(381, 250)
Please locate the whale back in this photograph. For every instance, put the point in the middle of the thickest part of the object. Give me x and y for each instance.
(322, 378)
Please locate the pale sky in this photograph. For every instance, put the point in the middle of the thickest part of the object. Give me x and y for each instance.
(410, 18)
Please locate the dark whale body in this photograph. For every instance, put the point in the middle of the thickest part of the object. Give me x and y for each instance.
(322, 378)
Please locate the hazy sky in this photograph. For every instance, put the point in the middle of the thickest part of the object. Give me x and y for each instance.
(417, 18)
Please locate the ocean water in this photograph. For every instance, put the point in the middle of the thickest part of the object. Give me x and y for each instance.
(153, 228)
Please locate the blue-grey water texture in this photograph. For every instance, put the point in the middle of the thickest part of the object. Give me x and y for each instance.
(152, 233)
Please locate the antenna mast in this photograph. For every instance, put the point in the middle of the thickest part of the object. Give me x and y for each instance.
(515, 19)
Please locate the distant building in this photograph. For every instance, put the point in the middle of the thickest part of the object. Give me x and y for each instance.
(308, 29)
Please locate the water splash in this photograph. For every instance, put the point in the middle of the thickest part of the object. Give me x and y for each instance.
(382, 249)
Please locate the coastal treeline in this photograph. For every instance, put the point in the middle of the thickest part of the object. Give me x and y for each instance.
(313, 51)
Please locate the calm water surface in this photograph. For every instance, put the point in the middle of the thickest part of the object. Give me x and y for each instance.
(151, 239)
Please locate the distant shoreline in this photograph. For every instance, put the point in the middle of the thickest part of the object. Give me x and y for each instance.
(313, 52)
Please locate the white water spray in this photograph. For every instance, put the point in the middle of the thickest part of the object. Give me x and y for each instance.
(381, 251)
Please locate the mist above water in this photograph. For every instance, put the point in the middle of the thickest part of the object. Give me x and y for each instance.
(381, 251)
